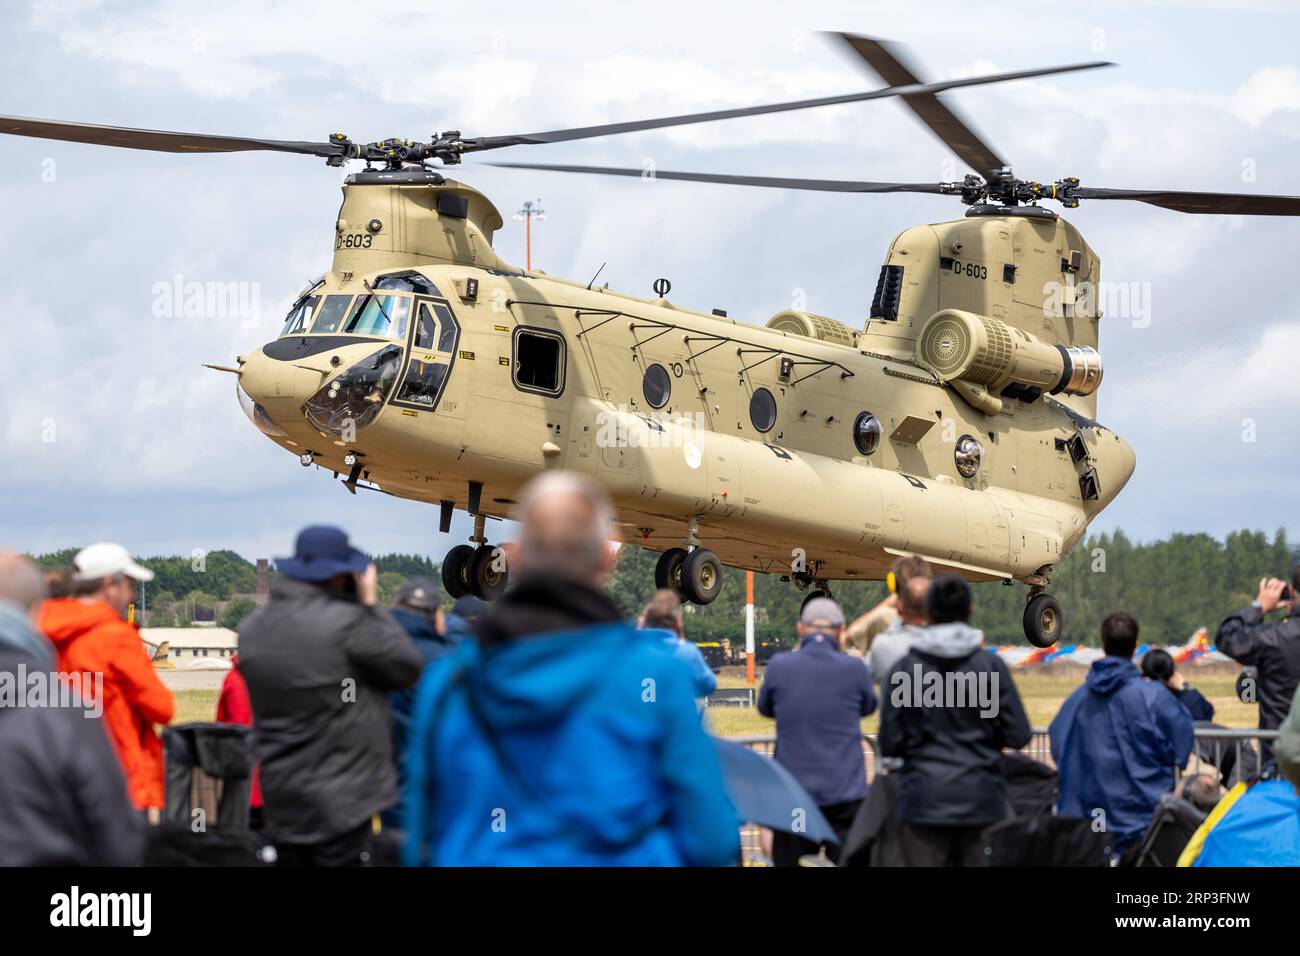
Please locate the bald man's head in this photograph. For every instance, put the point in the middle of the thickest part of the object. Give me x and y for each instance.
(565, 528)
(21, 584)
(912, 601)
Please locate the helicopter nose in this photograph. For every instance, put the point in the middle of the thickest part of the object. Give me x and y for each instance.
(278, 388)
(1115, 464)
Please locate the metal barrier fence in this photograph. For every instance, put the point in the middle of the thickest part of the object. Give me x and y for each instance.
(1225, 753)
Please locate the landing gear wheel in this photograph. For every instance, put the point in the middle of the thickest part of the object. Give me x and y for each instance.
(454, 565)
(1042, 620)
(486, 573)
(668, 572)
(701, 576)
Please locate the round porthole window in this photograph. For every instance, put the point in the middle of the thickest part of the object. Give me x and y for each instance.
(867, 432)
(656, 386)
(762, 410)
(968, 456)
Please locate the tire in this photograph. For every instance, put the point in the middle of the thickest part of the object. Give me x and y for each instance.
(701, 576)
(668, 570)
(454, 566)
(486, 573)
(1042, 620)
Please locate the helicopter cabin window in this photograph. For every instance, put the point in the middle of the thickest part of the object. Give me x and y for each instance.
(656, 386)
(331, 313)
(423, 382)
(539, 361)
(435, 328)
(762, 410)
(383, 315)
(300, 315)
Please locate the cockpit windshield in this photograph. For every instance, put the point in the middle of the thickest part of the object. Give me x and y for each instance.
(300, 315)
(383, 315)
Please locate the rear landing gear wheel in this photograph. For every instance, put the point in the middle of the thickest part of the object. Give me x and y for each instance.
(1042, 620)
(668, 572)
(486, 573)
(455, 565)
(701, 576)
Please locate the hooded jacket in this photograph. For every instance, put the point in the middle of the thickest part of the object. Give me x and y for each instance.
(1116, 742)
(319, 666)
(819, 696)
(949, 708)
(92, 638)
(576, 746)
(63, 794)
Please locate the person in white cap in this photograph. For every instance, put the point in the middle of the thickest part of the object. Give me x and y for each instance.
(91, 634)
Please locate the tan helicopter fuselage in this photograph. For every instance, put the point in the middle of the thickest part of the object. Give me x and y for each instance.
(539, 372)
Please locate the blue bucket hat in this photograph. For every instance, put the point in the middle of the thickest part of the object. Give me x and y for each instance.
(321, 552)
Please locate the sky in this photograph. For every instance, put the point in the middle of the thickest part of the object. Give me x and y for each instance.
(113, 430)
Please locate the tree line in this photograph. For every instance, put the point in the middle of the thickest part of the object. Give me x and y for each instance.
(1173, 587)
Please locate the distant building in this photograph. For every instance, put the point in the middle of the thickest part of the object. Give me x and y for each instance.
(185, 644)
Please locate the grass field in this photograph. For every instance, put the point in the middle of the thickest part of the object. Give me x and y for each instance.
(1042, 689)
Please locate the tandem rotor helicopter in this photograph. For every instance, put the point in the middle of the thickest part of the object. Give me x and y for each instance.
(957, 423)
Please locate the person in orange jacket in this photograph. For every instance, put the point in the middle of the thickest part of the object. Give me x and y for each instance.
(91, 634)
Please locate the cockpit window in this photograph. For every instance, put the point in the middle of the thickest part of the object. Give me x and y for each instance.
(408, 281)
(378, 315)
(300, 315)
(435, 334)
(331, 313)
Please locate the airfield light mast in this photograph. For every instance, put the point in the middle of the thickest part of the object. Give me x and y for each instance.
(531, 210)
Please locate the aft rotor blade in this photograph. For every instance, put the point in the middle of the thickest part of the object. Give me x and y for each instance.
(774, 182)
(906, 89)
(1229, 204)
(157, 140)
(888, 61)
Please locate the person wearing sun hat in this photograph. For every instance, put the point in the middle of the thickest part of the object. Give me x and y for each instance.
(91, 634)
(320, 659)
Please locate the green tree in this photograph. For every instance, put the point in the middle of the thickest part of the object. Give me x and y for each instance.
(233, 614)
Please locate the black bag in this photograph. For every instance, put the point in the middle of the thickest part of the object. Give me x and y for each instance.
(1172, 825)
(1046, 841)
(209, 767)
(177, 845)
(1031, 784)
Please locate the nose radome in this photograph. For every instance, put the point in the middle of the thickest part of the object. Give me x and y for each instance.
(1116, 461)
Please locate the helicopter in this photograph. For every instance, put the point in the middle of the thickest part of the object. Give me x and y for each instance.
(958, 422)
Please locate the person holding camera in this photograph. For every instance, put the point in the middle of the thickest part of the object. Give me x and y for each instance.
(320, 659)
(1272, 648)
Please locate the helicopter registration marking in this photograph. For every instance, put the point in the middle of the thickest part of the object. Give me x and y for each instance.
(357, 240)
(958, 268)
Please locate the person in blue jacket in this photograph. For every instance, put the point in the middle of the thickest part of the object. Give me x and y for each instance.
(662, 621)
(1118, 739)
(1158, 665)
(560, 737)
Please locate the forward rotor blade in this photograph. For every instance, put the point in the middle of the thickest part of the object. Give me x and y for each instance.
(774, 182)
(1230, 204)
(907, 88)
(161, 141)
(888, 61)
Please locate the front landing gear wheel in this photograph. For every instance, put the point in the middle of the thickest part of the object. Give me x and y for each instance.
(486, 572)
(1042, 620)
(701, 576)
(455, 565)
(668, 572)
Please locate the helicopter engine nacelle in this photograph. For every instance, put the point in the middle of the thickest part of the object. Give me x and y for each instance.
(984, 358)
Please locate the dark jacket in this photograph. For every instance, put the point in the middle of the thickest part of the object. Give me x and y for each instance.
(952, 770)
(1194, 702)
(819, 695)
(319, 667)
(62, 790)
(576, 746)
(1273, 649)
(431, 645)
(1116, 742)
